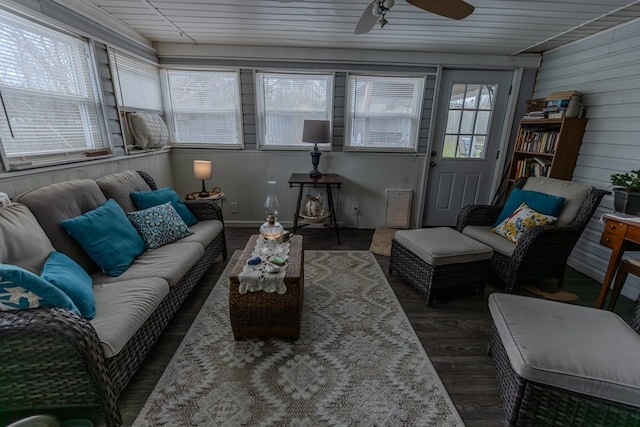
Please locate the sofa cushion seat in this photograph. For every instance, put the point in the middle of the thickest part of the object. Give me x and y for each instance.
(204, 232)
(23, 241)
(580, 349)
(169, 262)
(122, 308)
(483, 233)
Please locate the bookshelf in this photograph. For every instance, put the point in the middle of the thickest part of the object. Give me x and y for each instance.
(546, 147)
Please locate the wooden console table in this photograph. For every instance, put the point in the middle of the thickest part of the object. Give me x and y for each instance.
(620, 235)
(329, 181)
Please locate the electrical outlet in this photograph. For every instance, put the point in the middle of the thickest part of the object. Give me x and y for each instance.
(234, 207)
(355, 210)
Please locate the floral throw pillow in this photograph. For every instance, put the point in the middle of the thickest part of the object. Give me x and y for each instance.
(521, 220)
(159, 225)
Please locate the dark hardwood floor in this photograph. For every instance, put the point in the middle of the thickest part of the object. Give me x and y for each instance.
(453, 331)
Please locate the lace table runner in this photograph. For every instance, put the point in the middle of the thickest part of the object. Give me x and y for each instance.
(254, 278)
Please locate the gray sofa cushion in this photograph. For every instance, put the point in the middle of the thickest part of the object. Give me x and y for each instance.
(23, 242)
(581, 349)
(118, 186)
(169, 263)
(204, 232)
(53, 203)
(483, 233)
(442, 246)
(574, 194)
(122, 308)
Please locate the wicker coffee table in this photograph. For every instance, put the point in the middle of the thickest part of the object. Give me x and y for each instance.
(262, 314)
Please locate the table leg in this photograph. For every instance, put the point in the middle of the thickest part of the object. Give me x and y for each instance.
(614, 261)
(334, 218)
(295, 214)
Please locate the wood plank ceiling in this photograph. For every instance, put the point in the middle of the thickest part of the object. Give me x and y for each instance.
(498, 27)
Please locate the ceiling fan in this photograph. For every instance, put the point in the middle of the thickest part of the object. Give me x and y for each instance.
(377, 9)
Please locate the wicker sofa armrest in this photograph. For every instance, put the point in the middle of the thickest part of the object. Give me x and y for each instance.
(477, 215)
(52, 358)
(205, 209)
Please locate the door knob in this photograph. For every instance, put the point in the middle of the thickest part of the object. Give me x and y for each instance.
(432, 164)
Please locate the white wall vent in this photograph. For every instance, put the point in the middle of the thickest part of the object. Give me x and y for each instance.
(397, 211)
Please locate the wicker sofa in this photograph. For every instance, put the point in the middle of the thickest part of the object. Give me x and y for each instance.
(55, 359)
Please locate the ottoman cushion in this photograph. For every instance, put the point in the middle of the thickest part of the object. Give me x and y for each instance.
(580, 349)
(443, 245)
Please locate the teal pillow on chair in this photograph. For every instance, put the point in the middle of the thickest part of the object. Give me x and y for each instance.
(147, 199)
(545, 204)
(107, 237)
(21, 289)
(65, 274)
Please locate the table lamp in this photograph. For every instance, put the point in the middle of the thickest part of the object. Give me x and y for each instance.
(314, 132)
(202, 170)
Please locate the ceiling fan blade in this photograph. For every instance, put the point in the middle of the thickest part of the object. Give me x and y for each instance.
(454, 9)
(367, 20)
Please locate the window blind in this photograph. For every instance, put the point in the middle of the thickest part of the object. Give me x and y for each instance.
(50, 103)
(383, 112)
(137, 82)
(286, 100)
(204, 106)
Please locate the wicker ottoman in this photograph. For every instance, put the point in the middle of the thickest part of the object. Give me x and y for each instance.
(438, 261)
(560, 364)
(262, 314)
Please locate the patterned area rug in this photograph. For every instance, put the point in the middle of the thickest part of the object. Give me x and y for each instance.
(357, 361)
(381, 241)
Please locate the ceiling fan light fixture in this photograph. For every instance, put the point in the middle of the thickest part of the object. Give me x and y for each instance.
(382, 21)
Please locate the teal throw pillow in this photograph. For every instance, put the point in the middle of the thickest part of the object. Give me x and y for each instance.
(107, 236)
(147, 199)
(159, 225)
(66, 275)
(21, 289)
(545, 204)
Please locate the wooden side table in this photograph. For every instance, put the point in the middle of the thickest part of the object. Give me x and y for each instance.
(262, 314)
(329, 181)
(619, 234)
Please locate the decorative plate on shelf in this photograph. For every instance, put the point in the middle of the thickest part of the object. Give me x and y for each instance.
(316, 219)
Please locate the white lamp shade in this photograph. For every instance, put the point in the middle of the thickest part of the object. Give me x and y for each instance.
(316, 131)
(202, 169)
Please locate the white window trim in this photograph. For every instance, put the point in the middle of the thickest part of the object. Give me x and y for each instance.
(260, 123)
(420, 108)
(168, 109)
(35, 160)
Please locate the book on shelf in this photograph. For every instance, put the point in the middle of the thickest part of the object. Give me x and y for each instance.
(533, 166)
(537, 141)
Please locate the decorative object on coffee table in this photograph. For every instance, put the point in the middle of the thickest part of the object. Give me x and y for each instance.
(271, 229)
(202, 170)
(314, 132)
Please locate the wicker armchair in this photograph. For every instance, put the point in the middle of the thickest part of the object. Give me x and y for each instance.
(542, 251)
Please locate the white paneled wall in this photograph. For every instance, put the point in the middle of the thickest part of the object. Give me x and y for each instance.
(242, 176)
(606, 69)
(157, 165)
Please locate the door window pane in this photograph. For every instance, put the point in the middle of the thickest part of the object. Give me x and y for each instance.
(470, 111)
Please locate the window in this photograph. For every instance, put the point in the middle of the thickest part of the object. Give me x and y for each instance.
(470, 108)
(203, 107)
(284, 101)
(51, 110)
(383, 112)
(137, 82)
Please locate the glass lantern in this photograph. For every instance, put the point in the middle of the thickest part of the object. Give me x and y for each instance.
(271, 229)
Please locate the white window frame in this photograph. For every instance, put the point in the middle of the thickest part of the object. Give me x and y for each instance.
(170, 108)
(415, 116)
(82, 133)
(136, 82)
(295, 142)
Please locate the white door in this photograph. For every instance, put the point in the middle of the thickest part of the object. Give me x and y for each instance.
(471, 111)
